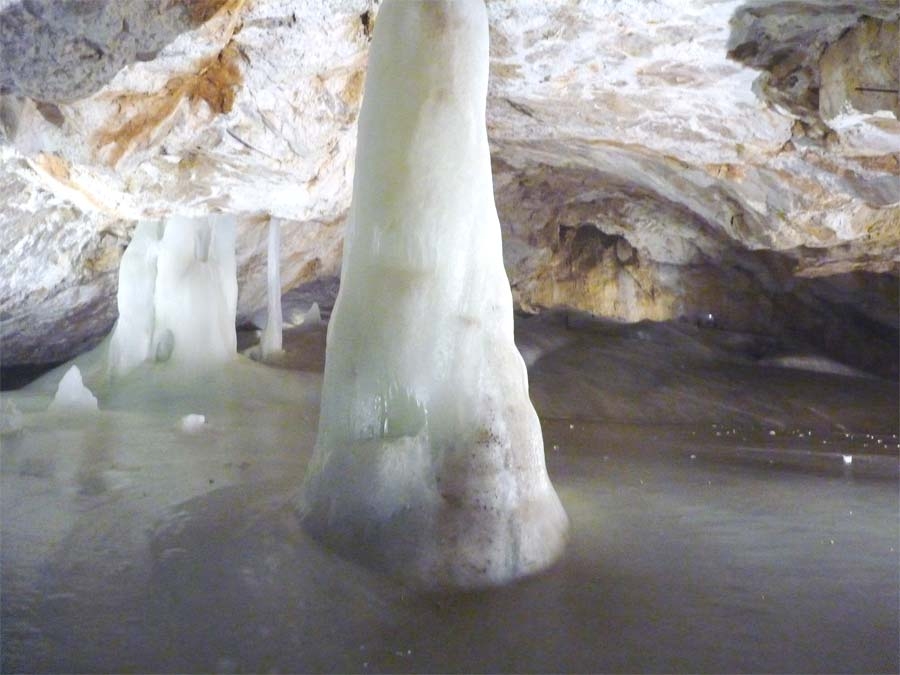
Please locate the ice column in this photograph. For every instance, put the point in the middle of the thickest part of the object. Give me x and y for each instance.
(271, 336)
(177, 295)
(133, 334)
(429, 461)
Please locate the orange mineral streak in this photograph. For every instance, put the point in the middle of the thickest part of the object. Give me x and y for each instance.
(214, 81)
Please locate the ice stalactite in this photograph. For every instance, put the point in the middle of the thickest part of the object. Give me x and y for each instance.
(270, 342)
(429, 460)
(177, 295)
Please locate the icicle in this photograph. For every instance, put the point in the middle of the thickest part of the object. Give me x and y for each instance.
(271, 336)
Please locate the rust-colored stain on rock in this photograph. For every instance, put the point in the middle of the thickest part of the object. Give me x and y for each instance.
(54, 165)
(353, 90)
(215, 82)
(201, 11)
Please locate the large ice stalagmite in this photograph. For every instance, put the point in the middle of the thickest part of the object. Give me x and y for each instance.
(429, 460)
(177, 295)
(132, 337)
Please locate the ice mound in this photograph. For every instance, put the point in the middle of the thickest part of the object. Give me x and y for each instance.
(11, 420)
(311, 317)
(192, 423)
(429, 460)
(71, 394)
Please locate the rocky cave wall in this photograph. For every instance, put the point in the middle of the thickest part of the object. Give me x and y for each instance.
(652, 159)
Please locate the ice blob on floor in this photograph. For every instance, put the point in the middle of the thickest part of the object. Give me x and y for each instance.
(311, 317)
(192, 423)
(71, 394)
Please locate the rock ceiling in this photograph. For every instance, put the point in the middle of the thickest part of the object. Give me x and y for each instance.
(652, 159)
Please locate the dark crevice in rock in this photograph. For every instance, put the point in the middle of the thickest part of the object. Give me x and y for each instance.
(368, 24)
(16, 377)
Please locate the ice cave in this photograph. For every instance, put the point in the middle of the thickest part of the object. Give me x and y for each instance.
(449, 336)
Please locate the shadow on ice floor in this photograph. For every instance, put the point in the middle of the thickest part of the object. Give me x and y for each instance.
(727, 516)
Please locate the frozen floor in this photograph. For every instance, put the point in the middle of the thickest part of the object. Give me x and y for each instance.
(716, 524)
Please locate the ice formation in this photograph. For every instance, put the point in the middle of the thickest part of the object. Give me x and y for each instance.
(312, 316)
(177, 295)
(71, 394)
(309, 318)
(192, 423)
(270, 343)
(429, 460)
(11, 420)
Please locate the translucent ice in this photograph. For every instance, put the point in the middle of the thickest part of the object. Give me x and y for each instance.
(429, 459)
(271, 335)
(177, 295)
(71, 394)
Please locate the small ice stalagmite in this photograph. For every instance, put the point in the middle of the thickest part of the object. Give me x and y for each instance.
(177, 295)
(72, 395)
(312, 316)
(270, 343)
(429, 460)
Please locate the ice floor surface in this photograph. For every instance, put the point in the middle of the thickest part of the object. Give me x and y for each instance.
(717, 525)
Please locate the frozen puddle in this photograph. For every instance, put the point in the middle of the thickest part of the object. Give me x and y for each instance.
(129, 545)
